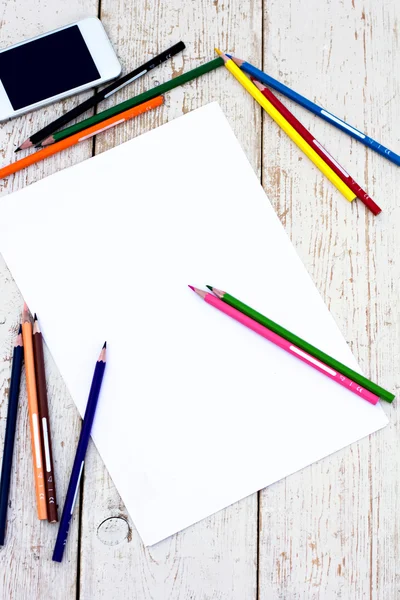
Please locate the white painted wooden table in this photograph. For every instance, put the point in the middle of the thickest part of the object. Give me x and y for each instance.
(330, 531)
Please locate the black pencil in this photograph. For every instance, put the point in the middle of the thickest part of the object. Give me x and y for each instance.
(37, 137)
(10, 432)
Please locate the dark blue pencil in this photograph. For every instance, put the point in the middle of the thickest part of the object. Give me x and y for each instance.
(79, 461)
(317, 110)
(6, 467)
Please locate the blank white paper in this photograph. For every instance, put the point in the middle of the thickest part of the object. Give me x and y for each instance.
(196, 412)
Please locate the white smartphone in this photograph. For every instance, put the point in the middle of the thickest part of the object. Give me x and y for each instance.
(54, 65)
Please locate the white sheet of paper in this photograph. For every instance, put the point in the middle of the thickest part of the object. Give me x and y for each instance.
(196, 411)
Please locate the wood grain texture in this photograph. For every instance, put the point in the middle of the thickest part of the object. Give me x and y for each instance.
(330, 531)
(217, 557)
(26, 569)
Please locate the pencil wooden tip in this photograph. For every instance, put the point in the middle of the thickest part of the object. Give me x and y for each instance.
(26, 315)
(258, 84)
(25, 145)
(219, 293)
(36, 328)
(237, 61)
(18, 339)
(222, 55)
(201, 293)
(45, 142)
(102, 357)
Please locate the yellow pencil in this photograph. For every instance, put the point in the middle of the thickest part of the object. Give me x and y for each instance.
(287, 128)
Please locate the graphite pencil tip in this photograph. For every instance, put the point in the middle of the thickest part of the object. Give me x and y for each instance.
(20, 329)
(18, 149)
(105, 345)
(35, 317)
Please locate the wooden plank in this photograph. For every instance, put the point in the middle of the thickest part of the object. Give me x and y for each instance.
(329, 531)
(217, 557)
(27, 571)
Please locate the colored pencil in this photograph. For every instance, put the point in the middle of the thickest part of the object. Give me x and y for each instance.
(79, 137)
(285, 345)
(287, 127)
(33, 415)
(12, 410)
(317, 110)
(152, 93)
(303, 345)
(79, 461)
(45, 430)
(102, 95)
(319, 149)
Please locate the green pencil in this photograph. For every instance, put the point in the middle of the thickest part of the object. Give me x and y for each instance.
(118, 108)
(294, 339)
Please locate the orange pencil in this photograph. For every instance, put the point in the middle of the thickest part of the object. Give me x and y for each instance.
(80, 137)
(33, 414)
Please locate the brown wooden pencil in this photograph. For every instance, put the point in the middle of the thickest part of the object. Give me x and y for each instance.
(49, 480)
(33, 415)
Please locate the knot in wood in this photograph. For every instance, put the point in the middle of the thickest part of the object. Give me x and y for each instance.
(113, 531)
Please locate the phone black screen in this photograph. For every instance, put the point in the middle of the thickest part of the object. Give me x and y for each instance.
(46, 67)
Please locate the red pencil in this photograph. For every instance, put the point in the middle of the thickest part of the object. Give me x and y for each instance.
(319, 149)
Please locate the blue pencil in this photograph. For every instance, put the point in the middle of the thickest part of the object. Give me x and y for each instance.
(314, 108)
(79, 461)
(10, 432)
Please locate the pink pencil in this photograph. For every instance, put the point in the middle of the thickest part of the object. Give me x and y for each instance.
(285, 345)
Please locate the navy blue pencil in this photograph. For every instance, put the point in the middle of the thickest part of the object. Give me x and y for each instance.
(79, 461)
(6, 467)
(317, 110)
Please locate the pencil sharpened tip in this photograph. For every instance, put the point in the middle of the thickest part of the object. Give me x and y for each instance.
(35, 317)
(18, 149)
(219, 293)
(25, 307)
(45, 142)
(20, 329)
(105, 345)
(25, 145)
(201, 293)
(236, 60)
(210, 287)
